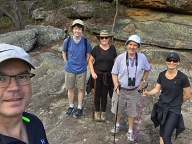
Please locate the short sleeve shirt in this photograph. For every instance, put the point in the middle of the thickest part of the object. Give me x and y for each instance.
(104, 59)
(35, 131)
(172, 90)
(76, 55)
(124, 72)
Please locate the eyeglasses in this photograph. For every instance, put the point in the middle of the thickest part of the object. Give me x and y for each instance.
(172, 60)
(104, 37)
(22, 79)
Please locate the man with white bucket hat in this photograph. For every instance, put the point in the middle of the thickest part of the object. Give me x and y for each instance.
(129, 74)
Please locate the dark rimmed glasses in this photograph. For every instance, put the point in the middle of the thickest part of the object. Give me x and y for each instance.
(22, 79)
(172, 60)
(104, 37)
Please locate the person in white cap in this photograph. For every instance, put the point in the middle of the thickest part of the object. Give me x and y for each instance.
(175, 90)
(129, 74)
(16, 125)
(76, 51)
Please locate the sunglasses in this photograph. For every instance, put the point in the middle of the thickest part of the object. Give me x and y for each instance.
(172, 60)
(104, 37)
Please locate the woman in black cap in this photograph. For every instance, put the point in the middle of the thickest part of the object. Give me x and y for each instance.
(175, 89)
(100, 63)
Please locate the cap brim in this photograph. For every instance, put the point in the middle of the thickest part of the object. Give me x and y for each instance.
(2, 59)
(126, 43)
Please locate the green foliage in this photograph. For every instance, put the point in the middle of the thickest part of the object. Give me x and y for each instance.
(55, 3)
(5, 19)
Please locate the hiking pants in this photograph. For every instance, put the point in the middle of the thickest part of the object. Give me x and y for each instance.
(101, 95)
(167, 129)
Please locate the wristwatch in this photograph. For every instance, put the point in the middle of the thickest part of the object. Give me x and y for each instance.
(143, 80)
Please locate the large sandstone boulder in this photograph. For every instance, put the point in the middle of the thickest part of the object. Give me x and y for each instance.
(179, 6)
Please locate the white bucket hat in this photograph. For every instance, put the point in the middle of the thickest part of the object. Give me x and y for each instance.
(134, 38)
(8, 51)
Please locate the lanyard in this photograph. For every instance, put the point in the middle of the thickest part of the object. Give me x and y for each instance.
(127, 63)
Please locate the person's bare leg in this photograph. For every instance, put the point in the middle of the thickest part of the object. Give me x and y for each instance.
(80, 96)
(117, 124)
(71, 95)
(130, 122)
(161, 140)
(118, 118)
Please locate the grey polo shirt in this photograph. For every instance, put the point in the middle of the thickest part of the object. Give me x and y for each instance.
(123, 71)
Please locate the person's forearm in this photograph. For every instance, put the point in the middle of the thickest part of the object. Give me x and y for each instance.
(87, 57)
(187, 94)
(145, 75)
(152, 92)
(185, 98)
(155, 90)
(64, 56)
(91, 67)
(115, 80)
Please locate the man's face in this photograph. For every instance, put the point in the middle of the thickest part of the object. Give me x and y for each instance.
(77, 31)
(132, 47)
(14, 98)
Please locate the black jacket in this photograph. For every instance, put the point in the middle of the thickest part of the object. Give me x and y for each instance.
(159, 115)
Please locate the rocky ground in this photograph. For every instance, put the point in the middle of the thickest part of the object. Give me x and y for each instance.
(50, 102)
(62, 129)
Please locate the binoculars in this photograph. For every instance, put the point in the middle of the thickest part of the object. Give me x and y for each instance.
(131, 81)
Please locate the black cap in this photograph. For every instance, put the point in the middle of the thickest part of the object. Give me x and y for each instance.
(173, 55)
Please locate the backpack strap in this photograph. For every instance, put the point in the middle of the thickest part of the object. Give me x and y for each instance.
(85, 43)
(68, 41)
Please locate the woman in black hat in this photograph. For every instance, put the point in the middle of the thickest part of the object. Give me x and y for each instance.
(100, 63)
(175, 89)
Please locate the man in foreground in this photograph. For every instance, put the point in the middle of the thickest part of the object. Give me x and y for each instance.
(16, 125)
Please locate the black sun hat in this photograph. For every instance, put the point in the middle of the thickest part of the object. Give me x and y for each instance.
(173, 55)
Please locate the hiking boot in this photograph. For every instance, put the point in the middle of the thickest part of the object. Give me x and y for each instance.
(97, 116)
(113, 131)
(69, 111)
(78, 113)
(103, 117)
(130, 137)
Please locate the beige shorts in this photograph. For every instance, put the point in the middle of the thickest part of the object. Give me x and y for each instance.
(127, 99)
(72, 80)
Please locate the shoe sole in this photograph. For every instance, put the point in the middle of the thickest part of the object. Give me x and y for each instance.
(71, 113)
(77, 117)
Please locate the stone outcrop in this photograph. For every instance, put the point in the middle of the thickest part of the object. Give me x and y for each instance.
(25, 39)
(156, 29)
(33, 35)
(47, 34)
(176, 6)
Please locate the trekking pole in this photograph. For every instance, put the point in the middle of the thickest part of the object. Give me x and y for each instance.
(118, 87)
(140, 110)
(93, 112)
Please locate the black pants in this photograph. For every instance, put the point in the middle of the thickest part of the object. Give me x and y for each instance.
(167, 129)
(101, 94)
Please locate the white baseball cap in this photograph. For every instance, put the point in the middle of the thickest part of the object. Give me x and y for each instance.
(8, 51)
(134, 38)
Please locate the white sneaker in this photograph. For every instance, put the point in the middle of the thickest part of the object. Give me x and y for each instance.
(115, 131)
(130, 137)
